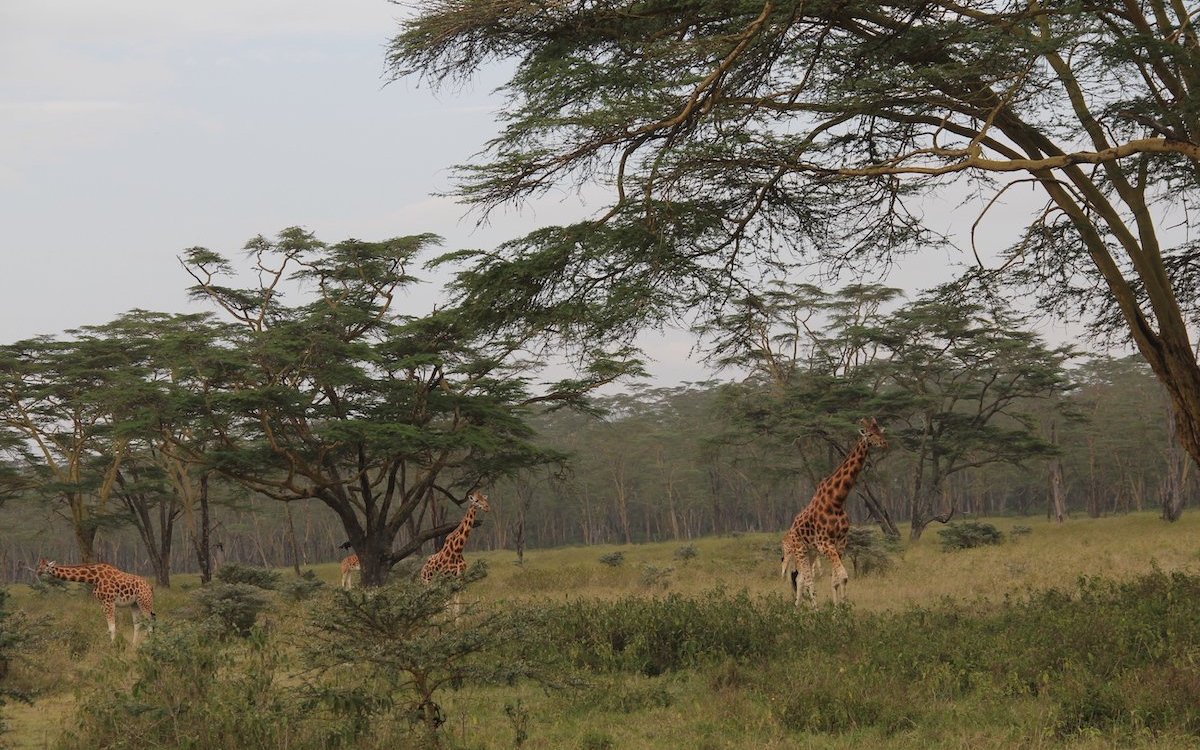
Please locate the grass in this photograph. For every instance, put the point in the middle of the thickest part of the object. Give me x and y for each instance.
(730, 703)
(1051, 555)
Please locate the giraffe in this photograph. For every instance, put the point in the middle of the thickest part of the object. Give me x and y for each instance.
(821, 527)
(112, 588)
(350, 564)
(449, 559)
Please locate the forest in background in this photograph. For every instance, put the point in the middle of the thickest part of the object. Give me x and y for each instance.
(666, 464)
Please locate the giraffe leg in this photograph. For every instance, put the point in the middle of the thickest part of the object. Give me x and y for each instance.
(110, 614)
(803, 582)
(137, 624)
(838, 575)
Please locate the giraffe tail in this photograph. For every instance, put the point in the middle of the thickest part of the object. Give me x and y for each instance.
(788, 566)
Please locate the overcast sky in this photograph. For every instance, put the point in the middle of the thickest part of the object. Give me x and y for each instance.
(133, 129)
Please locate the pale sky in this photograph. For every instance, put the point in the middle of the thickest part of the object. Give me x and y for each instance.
(133, 129)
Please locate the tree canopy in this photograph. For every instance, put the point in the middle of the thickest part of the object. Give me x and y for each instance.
(738, 139)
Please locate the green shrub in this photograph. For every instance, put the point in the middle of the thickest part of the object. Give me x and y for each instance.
(189, 691)
(299, 589)
(868, 552)
(651, 636)
(230, 608)
(233, 573)
(17, 636)
(686, 552)
(45, 584)
(384, 655)
(969, 534)
(654, 577)
(612, 559)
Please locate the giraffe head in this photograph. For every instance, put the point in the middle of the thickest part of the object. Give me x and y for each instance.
(478, 500)
(873, 433)
(45, 566)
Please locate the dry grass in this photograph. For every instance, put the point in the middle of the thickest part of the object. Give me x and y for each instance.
(1049, 556)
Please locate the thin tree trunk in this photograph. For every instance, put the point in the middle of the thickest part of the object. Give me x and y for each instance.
(291, 533)
(201, 544)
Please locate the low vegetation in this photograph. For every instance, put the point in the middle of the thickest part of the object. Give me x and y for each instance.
(979, 648)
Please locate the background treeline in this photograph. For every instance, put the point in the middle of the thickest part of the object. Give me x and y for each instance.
(660, 467)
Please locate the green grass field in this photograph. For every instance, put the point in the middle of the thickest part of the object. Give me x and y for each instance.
(869, 694)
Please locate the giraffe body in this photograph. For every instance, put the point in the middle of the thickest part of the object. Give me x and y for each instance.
(112, 588)
(449, 559)
(821, 527)
(350, 564)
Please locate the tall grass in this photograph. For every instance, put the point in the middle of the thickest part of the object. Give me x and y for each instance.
(1081, 635)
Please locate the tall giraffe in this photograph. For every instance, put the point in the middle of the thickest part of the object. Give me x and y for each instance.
(350, 564)
(112, 588)
(449, 559)
(822, 526)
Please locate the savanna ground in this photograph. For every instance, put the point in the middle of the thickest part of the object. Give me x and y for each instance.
(1081, 635)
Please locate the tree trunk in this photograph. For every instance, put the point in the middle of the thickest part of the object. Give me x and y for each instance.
(1174, 492)
(85, 533)
(876, 510)
(291, 532)
(1058, 496)
(201, 544)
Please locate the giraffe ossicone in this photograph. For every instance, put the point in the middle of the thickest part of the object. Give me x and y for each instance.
(822, 526)
(112, 588)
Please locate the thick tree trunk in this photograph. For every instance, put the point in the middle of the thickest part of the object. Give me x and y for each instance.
(1174, 490)
(85, 533)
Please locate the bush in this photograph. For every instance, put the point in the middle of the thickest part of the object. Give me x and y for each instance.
(230, 608)
(299, 589)
(613, 559)
(868, 552)
(654, 577)
(387, 653)
(189, 691)
(969, 534)
(651, 636)
(686, 552)
(261, 577)
(17, 634)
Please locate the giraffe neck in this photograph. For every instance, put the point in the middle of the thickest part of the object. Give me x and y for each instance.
(84, 573)
(463, 531)
(842, 480)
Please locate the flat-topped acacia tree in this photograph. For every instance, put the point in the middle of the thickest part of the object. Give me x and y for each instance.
(738, 140)
(381, 416)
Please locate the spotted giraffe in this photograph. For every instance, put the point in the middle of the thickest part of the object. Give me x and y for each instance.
(350, 565)
(449, 559)
(821, 527)
(112, 588)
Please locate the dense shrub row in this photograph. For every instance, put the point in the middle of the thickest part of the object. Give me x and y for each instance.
(1107, 655)
(1104, 656)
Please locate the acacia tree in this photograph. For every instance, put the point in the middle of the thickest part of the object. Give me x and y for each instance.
(154, 446)
(56, 425)
(958, 384)
(970, 383)
(378, 415)
(809, 354)
(737, 137)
